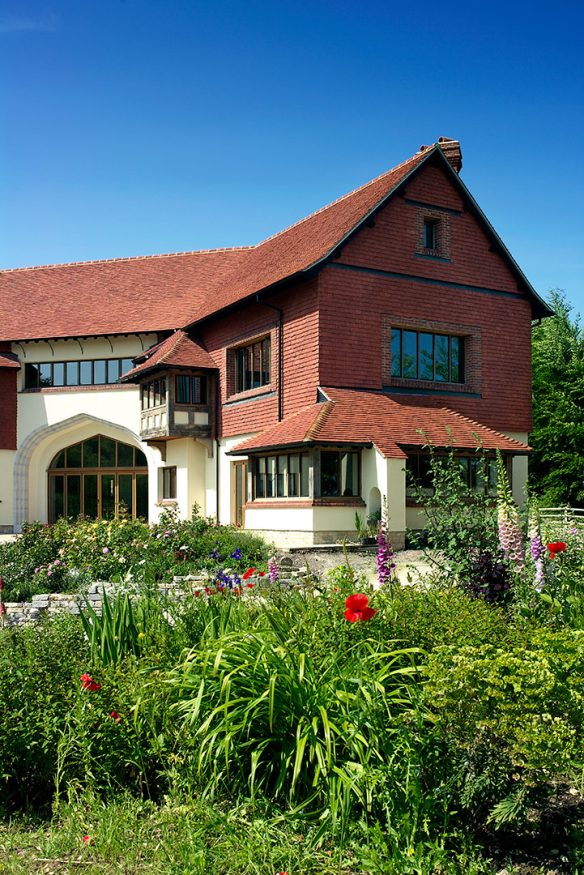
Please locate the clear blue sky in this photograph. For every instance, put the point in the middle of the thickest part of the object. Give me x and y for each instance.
(130, 127)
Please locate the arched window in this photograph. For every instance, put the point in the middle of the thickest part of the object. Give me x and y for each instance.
(97, 478)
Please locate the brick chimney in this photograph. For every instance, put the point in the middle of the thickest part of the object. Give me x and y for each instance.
(451, 151)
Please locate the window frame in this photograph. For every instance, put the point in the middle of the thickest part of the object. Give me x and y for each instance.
(197, 390)
(489, 483)
(341, 493)
(168, 483)
(399, 332)
(66, 365)
(261, 467)
(249, 359)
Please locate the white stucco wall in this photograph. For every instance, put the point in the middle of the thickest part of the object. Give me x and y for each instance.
(51, 419)
(6, 488)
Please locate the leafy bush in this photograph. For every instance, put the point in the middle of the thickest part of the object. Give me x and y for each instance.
(66, 555)
(511, 720)
(39, 670)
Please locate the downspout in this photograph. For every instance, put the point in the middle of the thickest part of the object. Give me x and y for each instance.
(280, 353)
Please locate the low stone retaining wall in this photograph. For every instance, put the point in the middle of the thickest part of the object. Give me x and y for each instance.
(51, 603)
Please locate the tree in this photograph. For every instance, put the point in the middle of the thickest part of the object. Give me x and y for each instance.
(557, 463)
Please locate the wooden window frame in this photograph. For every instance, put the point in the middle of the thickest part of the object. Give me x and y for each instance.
(434, 334)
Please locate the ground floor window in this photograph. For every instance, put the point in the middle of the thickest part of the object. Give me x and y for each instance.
(282, 476)
(339, 474)
(169, 482)
(98, 478)
(478, 472)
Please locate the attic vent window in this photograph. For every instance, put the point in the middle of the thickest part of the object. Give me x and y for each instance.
(430, 234)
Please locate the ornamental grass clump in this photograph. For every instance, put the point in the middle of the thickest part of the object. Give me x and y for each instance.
(279, 712)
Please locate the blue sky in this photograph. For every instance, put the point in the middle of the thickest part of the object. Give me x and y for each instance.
(131, 127)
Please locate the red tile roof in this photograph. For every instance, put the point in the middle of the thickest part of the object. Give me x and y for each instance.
(166, 292)
(357, 417)
(8, 360)
(177, 351)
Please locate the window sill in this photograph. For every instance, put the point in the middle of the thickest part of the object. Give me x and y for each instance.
(92, 387)
(259, 392)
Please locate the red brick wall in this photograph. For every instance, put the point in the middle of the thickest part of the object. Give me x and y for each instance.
(256, 409)
(356, 308)
(8, 400)
(393, 243)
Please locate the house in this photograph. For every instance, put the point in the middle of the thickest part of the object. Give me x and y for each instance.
(284, 386)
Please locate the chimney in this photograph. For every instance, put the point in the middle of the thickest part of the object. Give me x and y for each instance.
(451, 150)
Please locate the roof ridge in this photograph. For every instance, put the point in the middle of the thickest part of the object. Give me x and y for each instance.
(127, 258)
(482, 425)
(344, 196)
(320, 419)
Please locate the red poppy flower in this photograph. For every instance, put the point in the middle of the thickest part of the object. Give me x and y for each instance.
(261, 573)
(556, 547)
(115, 716)
(250, 585)
(88, 683)
(88, 840)
(357, 608)
(248, 573)
(2, 609)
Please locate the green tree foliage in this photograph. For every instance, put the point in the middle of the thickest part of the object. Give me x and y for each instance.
(557, 464)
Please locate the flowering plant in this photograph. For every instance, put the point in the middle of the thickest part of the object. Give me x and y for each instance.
(357, 608)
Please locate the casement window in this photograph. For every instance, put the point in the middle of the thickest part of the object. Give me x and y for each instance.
(339, 474)
(97, 372)
(282, 476)
(252, 365)
(421, 355)
(190, 390)
(169, 482)
(477, 473)
(153, 393)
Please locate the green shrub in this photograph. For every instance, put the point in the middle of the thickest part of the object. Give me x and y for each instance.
(39, 673)
(511, 720)
(67, 555)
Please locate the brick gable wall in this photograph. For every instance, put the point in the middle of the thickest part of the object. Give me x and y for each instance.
(357, 307)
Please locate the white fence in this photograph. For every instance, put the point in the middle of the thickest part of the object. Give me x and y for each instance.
(561, 521)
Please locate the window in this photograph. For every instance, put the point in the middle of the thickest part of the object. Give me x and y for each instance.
(153, 393)
(169, 482)
(420, 355)
(282, 476)
(252, 365)
(478, 473)
(339, 474)
(190, 390)
(97, 372)
(430, 234)
(98, 477)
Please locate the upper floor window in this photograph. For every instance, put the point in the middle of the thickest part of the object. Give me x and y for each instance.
(80, 373)
(190, 390)
(252, 365)
(153, 393)
(430, 234)
(420, 355)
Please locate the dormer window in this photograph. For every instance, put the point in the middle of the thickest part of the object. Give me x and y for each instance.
(430, 234)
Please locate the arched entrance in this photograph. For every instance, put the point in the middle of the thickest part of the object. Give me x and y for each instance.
(98, 477)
